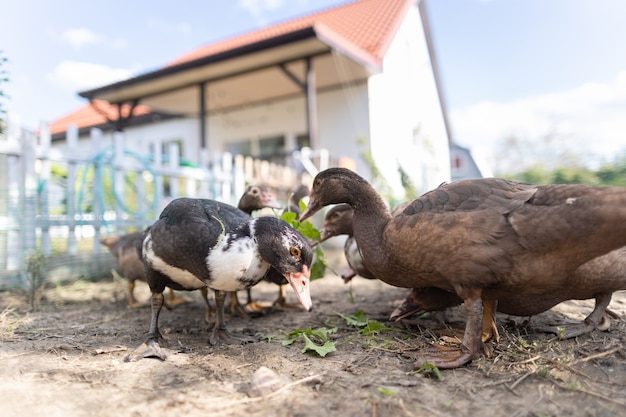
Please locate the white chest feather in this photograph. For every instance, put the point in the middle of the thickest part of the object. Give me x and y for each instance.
(235, 266)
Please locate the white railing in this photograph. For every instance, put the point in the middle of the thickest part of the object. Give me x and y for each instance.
(58, 200)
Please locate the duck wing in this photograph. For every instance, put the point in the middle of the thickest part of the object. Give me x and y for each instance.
(188, 229)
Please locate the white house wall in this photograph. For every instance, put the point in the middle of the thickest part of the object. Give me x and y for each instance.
(406, 123)
(342, 120)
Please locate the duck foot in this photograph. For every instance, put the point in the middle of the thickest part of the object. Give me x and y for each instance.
(257, 308)
(149, 349)
(570, 330)
(444, 357)
(172, 300)
(281, 304)
(221, 336)
(235, 308)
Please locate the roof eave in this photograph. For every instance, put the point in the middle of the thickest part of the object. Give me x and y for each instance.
(277, 41)
(347, 48)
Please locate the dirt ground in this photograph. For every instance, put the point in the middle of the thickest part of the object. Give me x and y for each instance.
(66, 359)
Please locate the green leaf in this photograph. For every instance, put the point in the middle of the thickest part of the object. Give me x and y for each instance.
(321, 350)
(289, 217)
(386, 391)
(314, 340)
(318, 269)
(427, 367)
(308, 230)
(302, 205)
(357, 319)
(374, 327)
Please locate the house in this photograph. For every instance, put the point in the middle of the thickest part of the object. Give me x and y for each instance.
(359, 79)
(464, 165)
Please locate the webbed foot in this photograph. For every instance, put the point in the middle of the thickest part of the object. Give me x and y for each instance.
(173, 300)
(257, 308)
(570, 330)
(149, 349)
(444, 357)
(223, 336)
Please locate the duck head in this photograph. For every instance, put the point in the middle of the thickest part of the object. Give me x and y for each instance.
(337, 221)
(256, 197)
(333, 186)
(289, 252)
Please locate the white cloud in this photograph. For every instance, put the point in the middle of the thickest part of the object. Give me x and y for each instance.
(75, 76)
(80, 37)
(587, 121)
(258, 7)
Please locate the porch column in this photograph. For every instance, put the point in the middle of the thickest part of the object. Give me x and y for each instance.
(311, 104)
(201, 116)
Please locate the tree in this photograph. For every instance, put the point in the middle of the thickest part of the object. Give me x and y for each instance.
(3, 80)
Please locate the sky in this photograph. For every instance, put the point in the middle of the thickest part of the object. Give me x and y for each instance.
(546, 75)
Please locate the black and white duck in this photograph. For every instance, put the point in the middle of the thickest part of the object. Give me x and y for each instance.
(199, 243)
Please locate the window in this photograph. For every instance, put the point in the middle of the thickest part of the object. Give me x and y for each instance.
(269, 148)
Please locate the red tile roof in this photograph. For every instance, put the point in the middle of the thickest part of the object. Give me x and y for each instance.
(364, 28)
(365, 25)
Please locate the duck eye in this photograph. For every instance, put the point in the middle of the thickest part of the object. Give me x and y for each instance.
(255, 190)
(294, 251)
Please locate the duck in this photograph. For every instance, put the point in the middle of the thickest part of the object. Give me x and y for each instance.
(127, 262)
(129, 266)
(249, 204)
(338, 221)
(298, 193)
(487, 239)
(199, 243)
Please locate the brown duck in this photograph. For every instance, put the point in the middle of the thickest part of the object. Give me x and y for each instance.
(485, 239)
(129, 266)
(338, 221)
(597, 279)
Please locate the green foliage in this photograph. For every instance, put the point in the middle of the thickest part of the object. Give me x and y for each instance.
(367, 327)
(380, 182)
(36, 266)
(315, 340)
(386, 391)
(410, 191)
(609, 174)
(429, 368)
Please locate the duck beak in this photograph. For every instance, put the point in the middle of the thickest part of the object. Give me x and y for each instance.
(267, 199)
(311, 209)
(325, 234)
(300, 283)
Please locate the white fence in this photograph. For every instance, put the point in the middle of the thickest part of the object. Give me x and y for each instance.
(59, 203)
